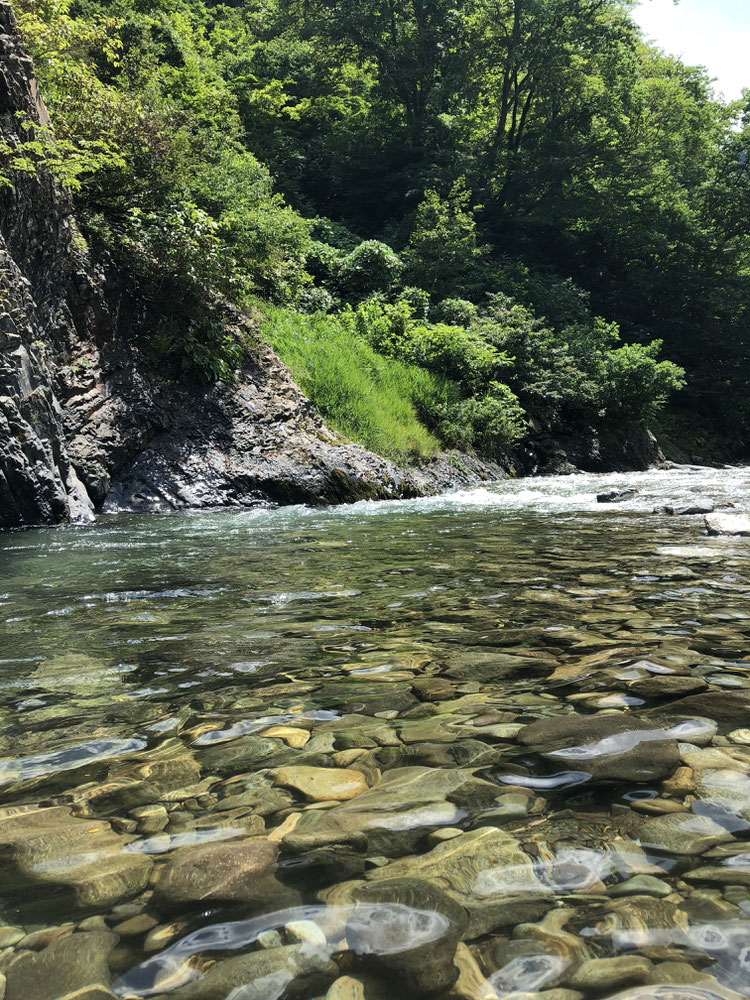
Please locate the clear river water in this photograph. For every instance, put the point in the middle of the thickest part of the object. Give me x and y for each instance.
(494, 744)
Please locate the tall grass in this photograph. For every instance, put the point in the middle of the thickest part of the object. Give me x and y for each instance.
(371, 399)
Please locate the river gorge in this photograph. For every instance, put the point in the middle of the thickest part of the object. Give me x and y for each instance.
(492, 744)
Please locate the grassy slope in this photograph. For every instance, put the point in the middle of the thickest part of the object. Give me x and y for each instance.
(370, 399)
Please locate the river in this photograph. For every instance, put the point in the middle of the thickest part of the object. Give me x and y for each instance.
(501, 735)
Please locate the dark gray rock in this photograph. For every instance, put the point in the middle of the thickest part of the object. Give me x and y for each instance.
(685, 509)
(616, 496)
(608, 747)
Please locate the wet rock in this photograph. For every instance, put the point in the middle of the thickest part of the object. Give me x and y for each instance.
(683, 833)
(486, 872)
(685, 509)
(731, 708)
(321, 784)
(227, 872)
(727, 524)
(609, 973)
(433, 688)
(727, 789)
(608, 747)
(293, 971)
(389, 818)
(10, 936)
(49, 846)
(666, 686)
(414, 945)
(616, 496)
(360, 987)
(305, 932)
(135, 926)
(729, 875)
(74, 963)
(641, 885)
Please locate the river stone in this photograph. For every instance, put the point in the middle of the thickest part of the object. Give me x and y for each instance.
(723, 875)
(488, 665)
(727, 524)
(682, 833)
(486, 872)
(66, 966)
(359, 987)
(641, 885)
(667, 685)
(608, 747)
(608, 973)
(732, 708)
(616, 496)
(235, 871)
(728, 789)
(51, 847)
(298, 970)
(321, 784)
(685, 509)
(389, 818)
(710, 990)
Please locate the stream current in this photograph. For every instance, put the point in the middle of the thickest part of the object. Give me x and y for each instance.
(494, 744)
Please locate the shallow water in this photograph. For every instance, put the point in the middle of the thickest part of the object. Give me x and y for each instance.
(164, 679)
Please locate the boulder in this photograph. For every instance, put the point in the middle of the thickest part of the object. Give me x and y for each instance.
(728, 524)
(616, 496)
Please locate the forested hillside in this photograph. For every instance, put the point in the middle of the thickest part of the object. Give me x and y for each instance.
(459, 222)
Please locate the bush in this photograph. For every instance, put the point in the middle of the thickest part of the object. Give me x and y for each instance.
(456, 312)
(491, 424)
(370, 267)
(635, 385)
(451, 351)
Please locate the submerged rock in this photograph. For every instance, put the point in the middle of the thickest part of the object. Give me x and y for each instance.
(608, 747)
(230, 872)
(486, 872)
(51, 847)
(292, 971)
(72, 964)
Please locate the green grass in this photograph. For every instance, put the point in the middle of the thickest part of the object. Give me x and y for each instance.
(369, 398)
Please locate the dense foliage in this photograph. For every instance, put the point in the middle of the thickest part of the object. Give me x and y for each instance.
(460, 190)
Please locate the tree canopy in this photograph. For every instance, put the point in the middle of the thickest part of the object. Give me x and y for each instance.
(529, 172)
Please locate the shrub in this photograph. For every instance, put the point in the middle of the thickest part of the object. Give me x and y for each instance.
(491, 424)
(456, 312)
(370, 267)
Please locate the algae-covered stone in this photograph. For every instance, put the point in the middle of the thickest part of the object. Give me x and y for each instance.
(51, 847)
(390, 817)
(73, 963)
(236, 871)
(601, 974)
(293, 971)
(682, 833)
(485, 871)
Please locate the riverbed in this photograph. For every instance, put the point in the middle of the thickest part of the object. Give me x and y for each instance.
(494, 744)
